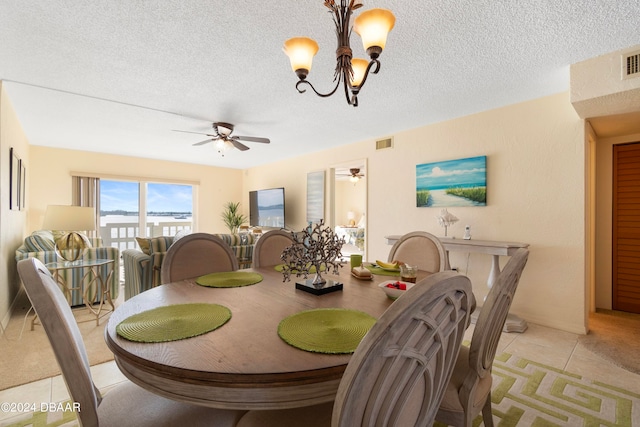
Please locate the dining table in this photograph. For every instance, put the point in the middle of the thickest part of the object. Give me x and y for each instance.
(243, 364)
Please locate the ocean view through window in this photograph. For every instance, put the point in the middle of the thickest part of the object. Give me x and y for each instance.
(168, 207)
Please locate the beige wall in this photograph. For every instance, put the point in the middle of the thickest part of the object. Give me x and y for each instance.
(536, 194)
(598, 87)
(52, 169)
(12, 222)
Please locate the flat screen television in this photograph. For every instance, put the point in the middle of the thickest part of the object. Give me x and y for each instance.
(266, 208)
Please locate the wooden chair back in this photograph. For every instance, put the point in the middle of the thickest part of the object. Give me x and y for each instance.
(422, 249)
(64, 335)
(398, 373)
(269, 247)
(195, 255)
(493, 315)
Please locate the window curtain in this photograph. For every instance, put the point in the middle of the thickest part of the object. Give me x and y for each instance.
(86, 192)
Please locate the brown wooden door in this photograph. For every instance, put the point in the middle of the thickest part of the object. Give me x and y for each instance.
(626, 227)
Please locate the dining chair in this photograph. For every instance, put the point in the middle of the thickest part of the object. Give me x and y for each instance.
(422, 249)
(397, 375)
(269, 247)
(124, 405)
(469, 391)
(195, 255)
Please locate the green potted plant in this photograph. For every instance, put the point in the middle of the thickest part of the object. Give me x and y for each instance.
(232, 217)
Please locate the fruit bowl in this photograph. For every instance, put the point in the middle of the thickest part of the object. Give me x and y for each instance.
(395, 288)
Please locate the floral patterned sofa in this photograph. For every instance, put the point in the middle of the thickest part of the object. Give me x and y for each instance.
(41, 245)
(142, 265)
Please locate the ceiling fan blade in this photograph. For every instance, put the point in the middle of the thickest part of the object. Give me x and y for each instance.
(187, 131)
(252, 139)
(240, 146)
(206, 141)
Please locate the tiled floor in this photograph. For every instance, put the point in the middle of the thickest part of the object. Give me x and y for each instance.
(545, 345)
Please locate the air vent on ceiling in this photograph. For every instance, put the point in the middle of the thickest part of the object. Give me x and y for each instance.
(384, 143)
(631, 65)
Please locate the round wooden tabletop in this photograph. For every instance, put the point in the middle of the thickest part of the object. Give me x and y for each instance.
(244, 364)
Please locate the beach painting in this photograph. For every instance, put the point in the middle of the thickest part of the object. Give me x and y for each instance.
(461, 182)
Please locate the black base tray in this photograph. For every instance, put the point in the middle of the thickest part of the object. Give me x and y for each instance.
(330, 286)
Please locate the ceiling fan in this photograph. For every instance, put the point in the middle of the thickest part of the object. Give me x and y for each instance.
(224, 140)
(354, 174)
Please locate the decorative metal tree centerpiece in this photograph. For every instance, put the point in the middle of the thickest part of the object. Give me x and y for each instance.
(315, 249)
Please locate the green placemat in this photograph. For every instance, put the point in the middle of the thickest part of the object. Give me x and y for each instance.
(229, 279)
(381, 272)
(326, 330)
(173, 322)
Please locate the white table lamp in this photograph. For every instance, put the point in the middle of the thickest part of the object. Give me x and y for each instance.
(351, 216)
(70, 219)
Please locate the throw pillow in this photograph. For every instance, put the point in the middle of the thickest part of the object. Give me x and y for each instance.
(154, 244)
(39, 242)
(180, 234)
(145, 245)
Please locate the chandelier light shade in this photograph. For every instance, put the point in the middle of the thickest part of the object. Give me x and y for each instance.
(359, 67)
(373, 26)
(301, 51)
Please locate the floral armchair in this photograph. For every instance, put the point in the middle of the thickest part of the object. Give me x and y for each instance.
(41, 245)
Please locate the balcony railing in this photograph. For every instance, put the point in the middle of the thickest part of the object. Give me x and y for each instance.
(122, 235)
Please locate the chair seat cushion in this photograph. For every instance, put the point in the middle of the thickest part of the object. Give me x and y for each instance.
(451, 400)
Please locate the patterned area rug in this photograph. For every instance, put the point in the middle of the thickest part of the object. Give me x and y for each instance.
(525, 393)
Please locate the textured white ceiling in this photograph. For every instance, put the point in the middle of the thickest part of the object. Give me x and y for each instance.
(117, 76)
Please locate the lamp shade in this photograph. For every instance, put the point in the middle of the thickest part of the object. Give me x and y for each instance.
(359, 66)
(300, 51)
(373, 26)
(69, 218)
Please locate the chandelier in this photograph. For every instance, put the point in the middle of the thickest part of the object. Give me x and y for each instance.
(372, 26)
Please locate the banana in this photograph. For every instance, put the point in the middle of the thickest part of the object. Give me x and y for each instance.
(386, 264)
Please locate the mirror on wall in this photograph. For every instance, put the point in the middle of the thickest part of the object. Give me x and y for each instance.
(348, 205)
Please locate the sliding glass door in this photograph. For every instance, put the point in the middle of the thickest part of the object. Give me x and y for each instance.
(166, 208)
(169, 209)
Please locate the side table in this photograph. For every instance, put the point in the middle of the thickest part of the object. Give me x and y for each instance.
(91, 270)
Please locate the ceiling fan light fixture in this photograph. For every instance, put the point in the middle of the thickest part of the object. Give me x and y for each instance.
(373, 26)
(222, 145)
(223, 129)
(222, 139)
(354, 178)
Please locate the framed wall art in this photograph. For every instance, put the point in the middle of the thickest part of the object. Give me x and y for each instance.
(315, 196)
(460, 182)
(14, 180)
(22, 192)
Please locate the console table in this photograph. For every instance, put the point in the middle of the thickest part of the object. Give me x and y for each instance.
(494, 248)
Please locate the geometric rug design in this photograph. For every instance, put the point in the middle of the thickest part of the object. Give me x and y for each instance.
(527, 393)
(524, 394)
